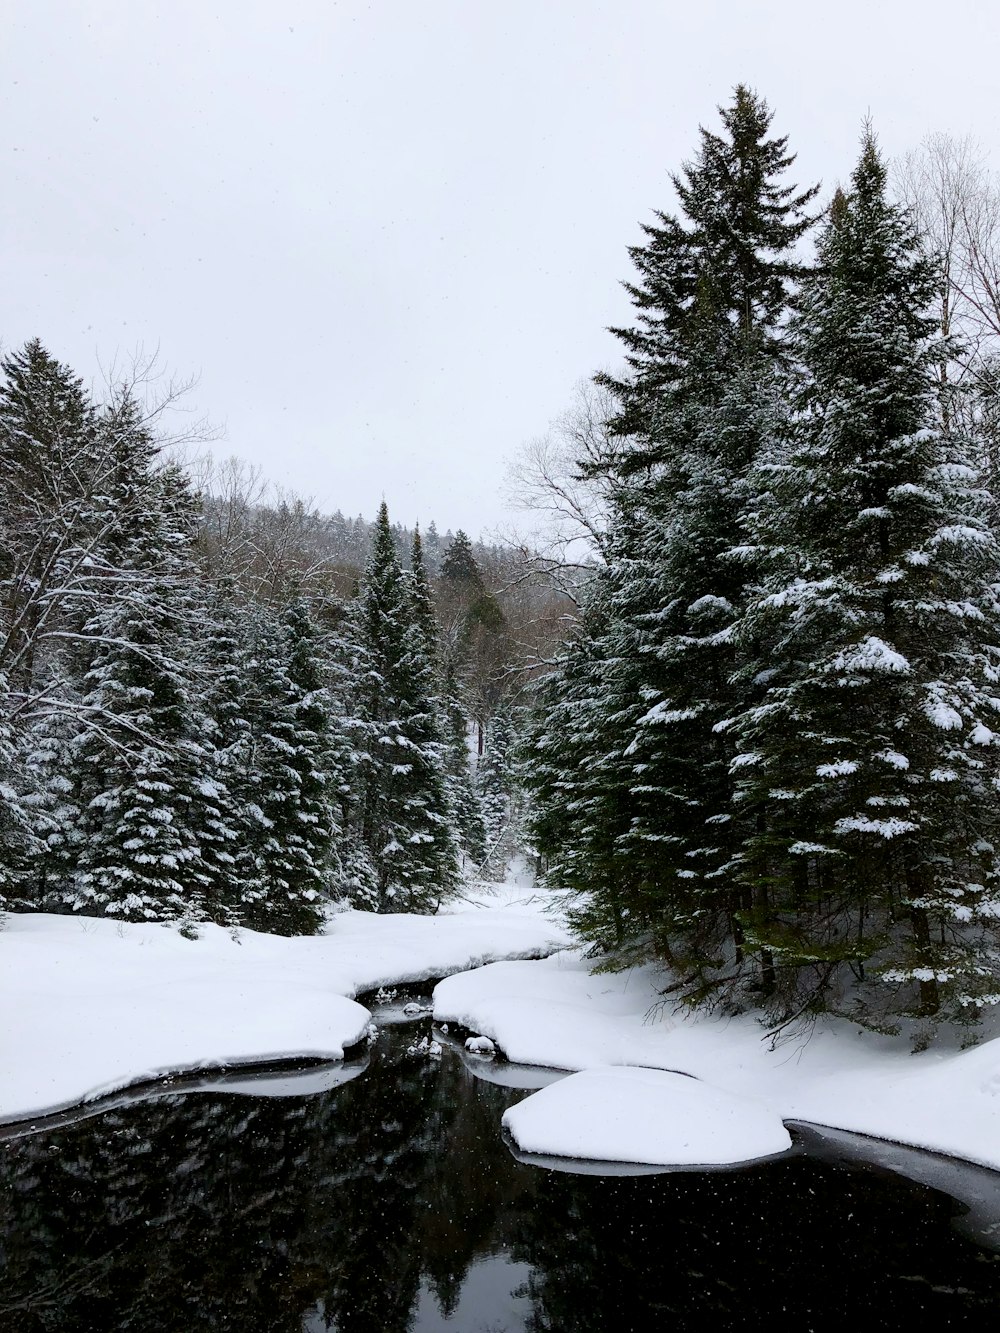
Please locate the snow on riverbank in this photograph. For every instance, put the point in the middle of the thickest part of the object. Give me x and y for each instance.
(91, 1006)
(556, 1012)
(646, 1116)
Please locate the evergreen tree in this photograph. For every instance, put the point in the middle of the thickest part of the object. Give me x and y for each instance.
(496, 783)
(404, 816)
(463, 795)
(51, 463)
(868, 771)
(289, 865)
(15, 820)
(145, 809)
(459, 566)
(714, 283)
(579, 799)
(658, 665)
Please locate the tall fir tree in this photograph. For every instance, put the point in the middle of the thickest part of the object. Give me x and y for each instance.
(496, 782)
(714, 281)
(145, 810)
(869, 768)
(701, 398)
(53, 467)
(289, 865)
(404, 815)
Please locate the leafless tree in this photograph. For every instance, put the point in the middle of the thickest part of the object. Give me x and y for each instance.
(955, 200)
(562, 477)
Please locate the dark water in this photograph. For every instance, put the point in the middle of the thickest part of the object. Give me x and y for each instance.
(390, 1203)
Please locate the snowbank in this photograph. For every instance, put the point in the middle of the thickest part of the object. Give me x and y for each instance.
(556, 1012)
(626, 1114)
(92, 1006)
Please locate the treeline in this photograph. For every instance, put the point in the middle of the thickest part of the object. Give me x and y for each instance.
(261, 535)
(769, 755)
(192, 728)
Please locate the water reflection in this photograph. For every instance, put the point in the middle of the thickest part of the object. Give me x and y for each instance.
(390, 1204)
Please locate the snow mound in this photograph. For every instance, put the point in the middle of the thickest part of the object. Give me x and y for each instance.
(647, 1116)
(480, 1046)
(558, 1013)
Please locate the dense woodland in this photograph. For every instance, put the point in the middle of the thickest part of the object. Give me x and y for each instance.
(755, 720)
(769, 755)
(216, 705)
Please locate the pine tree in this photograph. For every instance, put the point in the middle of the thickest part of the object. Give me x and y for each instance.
(580, 799)
(495, 780)
(868, 771)
(659, 668)
(459, 565)
(404, 811)
(463, 796)
(16, 841)
(714, 283)
(289, 865)
(50, 461)
(140, 774)
(433, 869)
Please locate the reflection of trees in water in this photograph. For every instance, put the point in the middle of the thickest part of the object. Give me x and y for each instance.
(798, 1244)
(224, 1212)
(213, 1212)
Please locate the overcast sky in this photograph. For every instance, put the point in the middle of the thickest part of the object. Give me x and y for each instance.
(388, 237)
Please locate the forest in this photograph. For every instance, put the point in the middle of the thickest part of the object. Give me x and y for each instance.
(768, 757)
(220, 705)
(750, 728)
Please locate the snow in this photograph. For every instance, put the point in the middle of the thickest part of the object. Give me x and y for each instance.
(98, 1006)
(557, 1012)
(647, 1116)
(95, 1005)
(872, 654)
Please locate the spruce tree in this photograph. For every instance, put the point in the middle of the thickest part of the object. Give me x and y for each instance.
(459, 566)
(659, 664)
(404, 816)
(16, 841)
(868, 770)
(495, 779)
(145, 810)
(51, 464)
(289, 864)
(714, 281)
(580, 800)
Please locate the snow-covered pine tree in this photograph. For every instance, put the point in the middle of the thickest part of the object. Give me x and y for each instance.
(579, 802)
(433, 868)
(869, 769)
(289, 863)
(16, 841)
(145, 809)
(675, 672)
(53, 466)
(459, 565)
(227, 743)
(713, 278)
(661, 668)
(404, 809)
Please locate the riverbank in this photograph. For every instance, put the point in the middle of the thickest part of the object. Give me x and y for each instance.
(93, 1006)
(556, 1012)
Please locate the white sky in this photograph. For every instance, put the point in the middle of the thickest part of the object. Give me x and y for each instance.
(389, 236)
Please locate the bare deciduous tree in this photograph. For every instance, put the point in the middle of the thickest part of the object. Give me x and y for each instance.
(561, 477)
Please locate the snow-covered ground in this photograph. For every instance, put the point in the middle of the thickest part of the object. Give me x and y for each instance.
(91, 1006)
(556, 1012)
